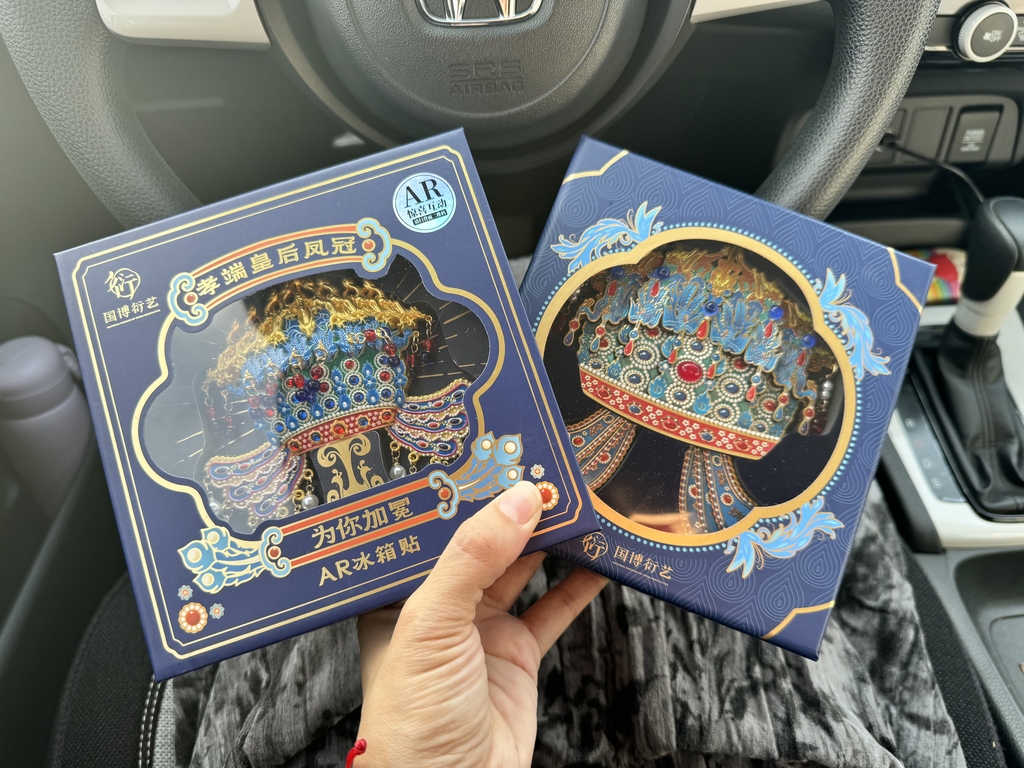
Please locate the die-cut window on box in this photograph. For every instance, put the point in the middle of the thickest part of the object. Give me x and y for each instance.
(695, 385)
(314, 390)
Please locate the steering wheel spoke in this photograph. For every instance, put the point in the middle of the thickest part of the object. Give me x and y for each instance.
(228, 23)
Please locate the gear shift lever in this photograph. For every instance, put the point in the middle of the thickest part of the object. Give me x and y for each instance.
(983, 429)
(994, 283)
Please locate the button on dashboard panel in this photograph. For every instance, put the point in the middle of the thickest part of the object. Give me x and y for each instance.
(991, 36)
(924, 137)
(972, 137)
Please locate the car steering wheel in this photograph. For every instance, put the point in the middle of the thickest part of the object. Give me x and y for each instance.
(588, 62)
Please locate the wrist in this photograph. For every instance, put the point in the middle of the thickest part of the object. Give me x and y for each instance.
(358, 749)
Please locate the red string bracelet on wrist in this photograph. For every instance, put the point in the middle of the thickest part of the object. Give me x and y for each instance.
(355, 752)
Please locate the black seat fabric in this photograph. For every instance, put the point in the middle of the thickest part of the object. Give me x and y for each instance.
(108, 715)
(109, 689)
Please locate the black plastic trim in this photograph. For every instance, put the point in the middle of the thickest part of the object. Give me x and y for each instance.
(78, 563)
(908, 510)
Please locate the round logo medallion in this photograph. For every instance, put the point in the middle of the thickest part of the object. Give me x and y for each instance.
(424, 202)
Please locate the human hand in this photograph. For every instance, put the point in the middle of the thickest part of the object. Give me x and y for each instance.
(450, 678)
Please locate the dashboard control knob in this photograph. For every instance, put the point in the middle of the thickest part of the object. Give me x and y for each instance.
(986, 32)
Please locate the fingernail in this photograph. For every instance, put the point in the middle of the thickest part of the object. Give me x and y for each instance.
(520, 502)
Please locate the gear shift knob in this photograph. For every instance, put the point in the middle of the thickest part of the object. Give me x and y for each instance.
(994, 283)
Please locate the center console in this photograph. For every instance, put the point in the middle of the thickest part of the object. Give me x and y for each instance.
(974, 564)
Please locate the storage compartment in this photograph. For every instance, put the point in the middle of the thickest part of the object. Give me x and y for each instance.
(992, 590)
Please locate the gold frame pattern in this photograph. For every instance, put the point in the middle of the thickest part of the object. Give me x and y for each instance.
(757, 514)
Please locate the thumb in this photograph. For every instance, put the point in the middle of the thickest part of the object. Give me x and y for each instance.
(483, 547)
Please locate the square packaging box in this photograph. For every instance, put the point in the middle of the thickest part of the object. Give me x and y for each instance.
(727, 370)
(301, 392)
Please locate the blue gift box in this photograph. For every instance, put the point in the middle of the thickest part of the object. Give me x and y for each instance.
(301, 392)
(727, 370)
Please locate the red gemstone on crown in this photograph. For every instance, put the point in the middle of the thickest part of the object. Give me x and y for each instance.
(385, 376)
(350, 364)
(809, 412)
(545, 495)
(603, 343)
(689, 371)
(324, 386)
(370, 334)
(739, 363)
(652, 332)
(599, 330)
(299, 381)
(192, 618)
(613, 287)
(769, 405)
(316, 372)
(574, 324)
(783, 399)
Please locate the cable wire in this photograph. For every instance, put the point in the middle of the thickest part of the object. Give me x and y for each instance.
(891, 144)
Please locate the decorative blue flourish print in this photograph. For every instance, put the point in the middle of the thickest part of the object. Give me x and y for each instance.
(493, 468)
(218, 560)
(606, 234)
(753, 546)
(853, 327)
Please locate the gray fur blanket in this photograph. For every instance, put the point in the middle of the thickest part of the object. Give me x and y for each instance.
(634, 682)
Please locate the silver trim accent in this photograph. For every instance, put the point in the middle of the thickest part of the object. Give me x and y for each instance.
(506, 12)
(228, 23)
(970, 26)
(956, 523)
(956, 7)
(709, 10)
(984, 318)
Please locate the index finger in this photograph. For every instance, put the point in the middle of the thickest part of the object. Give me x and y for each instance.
(549, 617)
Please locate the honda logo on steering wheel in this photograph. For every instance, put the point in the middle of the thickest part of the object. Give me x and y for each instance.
(454, 13)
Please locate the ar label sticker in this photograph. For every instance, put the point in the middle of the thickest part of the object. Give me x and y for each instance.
(424, 202)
